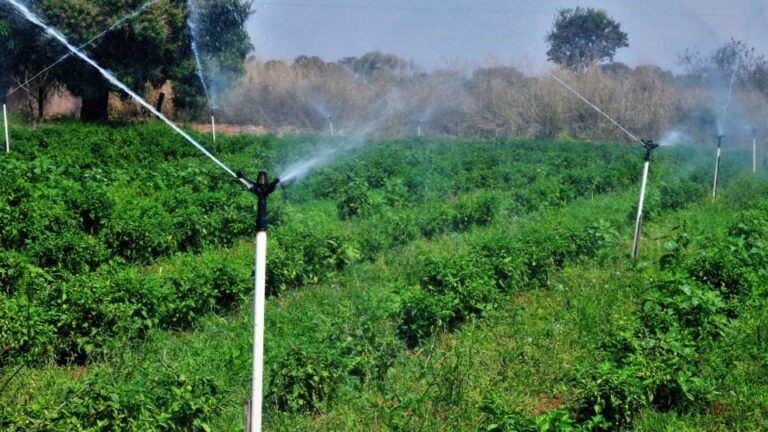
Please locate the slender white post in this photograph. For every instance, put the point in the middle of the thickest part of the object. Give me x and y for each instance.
(717, 173)
(5, 122)
(639, 221)
(258, 331)
(213, 126)
(330, 123)
(419, 130)
(261, 188)
(754, 155)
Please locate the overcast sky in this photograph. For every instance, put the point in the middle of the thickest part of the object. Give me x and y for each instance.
(470, 33)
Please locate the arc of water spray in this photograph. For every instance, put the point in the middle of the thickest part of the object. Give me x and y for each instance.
(199, 65)
(596, 108)
(115, 25)
(31, 17)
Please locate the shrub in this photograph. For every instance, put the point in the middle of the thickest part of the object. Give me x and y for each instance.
(452, 288)
(354, 200)
(305, 255)
(475, 209)
(424, 313)
(608, 395)
(27, 331)
(302, 379)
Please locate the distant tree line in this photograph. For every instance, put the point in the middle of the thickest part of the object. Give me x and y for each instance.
(380, 93)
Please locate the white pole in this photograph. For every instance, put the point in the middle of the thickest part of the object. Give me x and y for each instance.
(333, 133)
(754, 155)
(717, 174)
(5, 122)
(258, 330)
(213, 126)
(639, 221)
(419, 133)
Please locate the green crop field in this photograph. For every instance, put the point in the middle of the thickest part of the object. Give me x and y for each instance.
(413, 285)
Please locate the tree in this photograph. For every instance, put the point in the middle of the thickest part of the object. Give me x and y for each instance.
(149, 49)
(376, 64)
(22, 55)
(734, 60)
(583, 37)
(222, 39)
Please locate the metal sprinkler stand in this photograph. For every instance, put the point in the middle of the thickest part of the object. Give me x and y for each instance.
(717, 165)
(5, 123)
(262, 188)
(418, 130)
(649, 146)
(754, 151)
(330, 124)
(213, 122)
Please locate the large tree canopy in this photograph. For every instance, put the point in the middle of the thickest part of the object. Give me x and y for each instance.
(222, 39)
(149, 49)
(583, 37)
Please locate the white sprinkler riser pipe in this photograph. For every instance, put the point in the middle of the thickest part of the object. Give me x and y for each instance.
(5, 122)
(419, 131)
(333, 133)
(213, 127)
(639, 221)
(258, 330)
(717, 174)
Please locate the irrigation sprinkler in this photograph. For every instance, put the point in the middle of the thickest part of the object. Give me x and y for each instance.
(717, 165)
(330, 124)
(649, 146)
(262, 188)
(5, 124)
(418, 129)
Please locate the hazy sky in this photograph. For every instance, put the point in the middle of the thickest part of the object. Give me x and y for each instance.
(465, 33)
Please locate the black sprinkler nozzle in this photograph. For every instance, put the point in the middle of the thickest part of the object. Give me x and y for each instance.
(719, 140)
(649, 147)
(262, 188)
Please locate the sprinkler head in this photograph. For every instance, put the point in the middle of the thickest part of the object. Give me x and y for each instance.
(262, 188)
(649, 147)
(719, 140)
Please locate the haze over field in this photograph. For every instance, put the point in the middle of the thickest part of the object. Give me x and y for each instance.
(434, 33)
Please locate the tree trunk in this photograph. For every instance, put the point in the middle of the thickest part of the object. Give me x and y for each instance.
(160, 100)
(41, 95)
(95, 103)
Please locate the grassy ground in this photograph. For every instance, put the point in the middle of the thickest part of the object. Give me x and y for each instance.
(520, 356)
